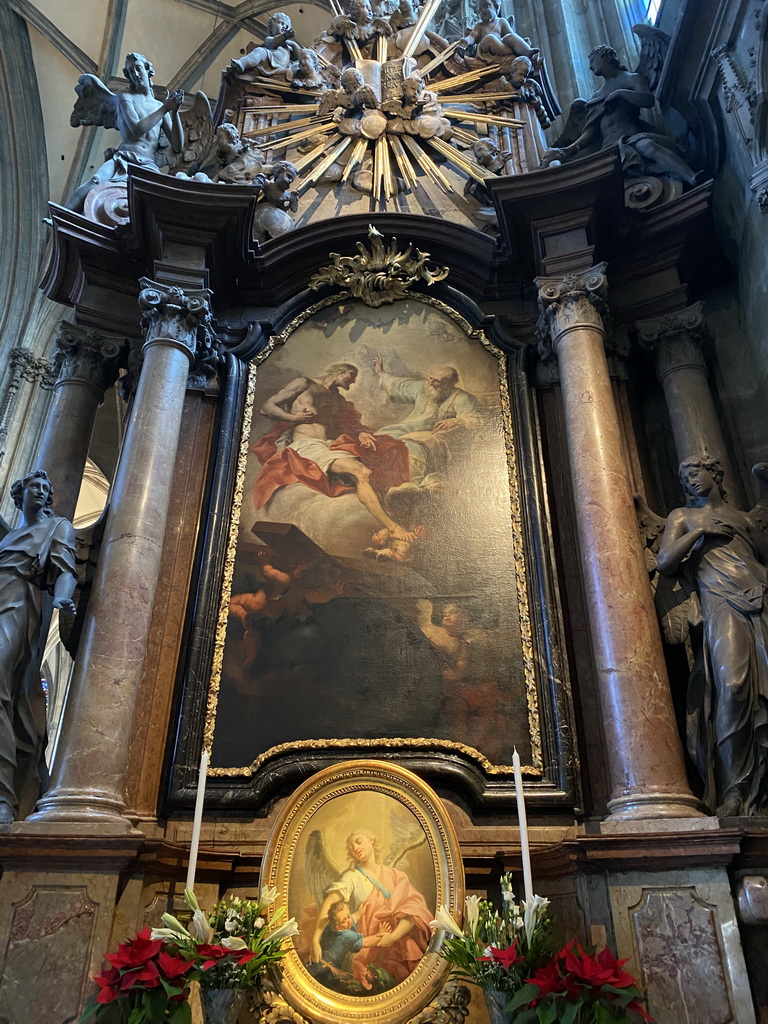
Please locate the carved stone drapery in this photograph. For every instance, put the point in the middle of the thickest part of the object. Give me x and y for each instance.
(644, 751)
(88, 785)
(86, 363)
(675, 341)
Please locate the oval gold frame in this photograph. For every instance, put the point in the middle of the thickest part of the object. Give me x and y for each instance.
(297, 986)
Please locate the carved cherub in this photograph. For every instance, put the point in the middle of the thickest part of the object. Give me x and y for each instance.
(353, 96)
(271, 218)
(401, 22)
(611, 116)
(275, 54)
(307, 73)
(417, 112)
(494, 36)
(141, 120)
(240, 160)
(359, 25)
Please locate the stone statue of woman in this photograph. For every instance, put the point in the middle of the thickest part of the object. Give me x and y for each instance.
(724, 552)
(36, 557)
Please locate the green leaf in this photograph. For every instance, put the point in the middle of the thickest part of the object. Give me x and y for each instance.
(526, 1017)
(569, 1012)
(549, 1014)
(523, 996)
(182, 1014)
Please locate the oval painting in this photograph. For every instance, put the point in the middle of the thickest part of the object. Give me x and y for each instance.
(362, 858)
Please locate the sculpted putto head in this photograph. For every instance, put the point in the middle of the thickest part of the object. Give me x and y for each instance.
(279, 23)
(520, 69)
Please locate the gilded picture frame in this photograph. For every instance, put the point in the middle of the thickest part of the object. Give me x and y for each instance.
(402, 862)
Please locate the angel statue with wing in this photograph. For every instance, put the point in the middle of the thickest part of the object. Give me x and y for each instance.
(611, 116)
(371, 927)
(721, 556)
(141, 120)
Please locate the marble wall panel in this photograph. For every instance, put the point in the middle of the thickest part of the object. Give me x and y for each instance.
(51, 926)
(679, 931)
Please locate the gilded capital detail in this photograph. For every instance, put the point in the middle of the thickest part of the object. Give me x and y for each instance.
(86, 357)
(569, 302)
(675, 339)
(174, 316)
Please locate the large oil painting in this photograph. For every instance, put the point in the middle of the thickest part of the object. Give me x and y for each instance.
(375, 591)
(362, 856)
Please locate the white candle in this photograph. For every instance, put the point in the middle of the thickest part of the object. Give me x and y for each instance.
(525, 850)
(197, 821)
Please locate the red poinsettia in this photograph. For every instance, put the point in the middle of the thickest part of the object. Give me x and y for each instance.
(506, 957)
(213, 954)
(596, 969)
(147, 977)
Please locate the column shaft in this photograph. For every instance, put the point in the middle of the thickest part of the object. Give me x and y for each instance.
(96, 735)
(644, 751)
(681, 368)
(87, 366)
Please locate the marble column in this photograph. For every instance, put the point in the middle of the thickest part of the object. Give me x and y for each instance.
(645, 758)
(675, 341)
(86, 364)
(88, 784)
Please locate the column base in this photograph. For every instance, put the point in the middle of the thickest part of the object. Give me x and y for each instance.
(641, 806)
(76, 809)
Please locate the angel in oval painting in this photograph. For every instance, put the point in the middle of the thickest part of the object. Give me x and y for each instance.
(367, 927)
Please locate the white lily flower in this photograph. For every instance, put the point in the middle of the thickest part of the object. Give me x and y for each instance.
(175, 925)
(259, 922)
(233, 942)
(473, 913)
(163, 933)
(200, 926)
(268, 896)
(533, 909)
(231, 925)
(445, 921)
(508, 896)
(191, 900)
(283, 931)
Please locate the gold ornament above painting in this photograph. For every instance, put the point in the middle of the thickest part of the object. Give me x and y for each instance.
(383, 113)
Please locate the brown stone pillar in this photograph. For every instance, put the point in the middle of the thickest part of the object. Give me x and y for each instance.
(93, 750)
(87, 365)
(644, 752)
(675, 341)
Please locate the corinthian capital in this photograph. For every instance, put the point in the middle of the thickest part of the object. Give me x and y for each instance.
(674, 339)
(570, 302)
(172, 316)
(86, 357)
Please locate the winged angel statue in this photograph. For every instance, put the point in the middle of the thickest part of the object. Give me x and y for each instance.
(718, 606)
(611, 116)
(148, 127)
(369, 925)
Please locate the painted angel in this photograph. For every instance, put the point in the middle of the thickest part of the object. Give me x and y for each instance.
(611, 116)
(719, 555)
(370, 926)
(144, 123)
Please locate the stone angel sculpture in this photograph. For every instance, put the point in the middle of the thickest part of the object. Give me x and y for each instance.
(369, 927)
(719, 555)
(152, 132)
(611, 116)
(36, 558)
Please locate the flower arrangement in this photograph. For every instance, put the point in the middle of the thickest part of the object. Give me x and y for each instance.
(147, 982)
(227, 948)
(512, 958)
(231, 944)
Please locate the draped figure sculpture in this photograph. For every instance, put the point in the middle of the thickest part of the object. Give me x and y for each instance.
(38, 556)
(724, 553)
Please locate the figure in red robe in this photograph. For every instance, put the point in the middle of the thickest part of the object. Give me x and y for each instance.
(321, 442)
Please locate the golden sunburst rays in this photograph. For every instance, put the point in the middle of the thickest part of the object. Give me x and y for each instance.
(383, 157)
